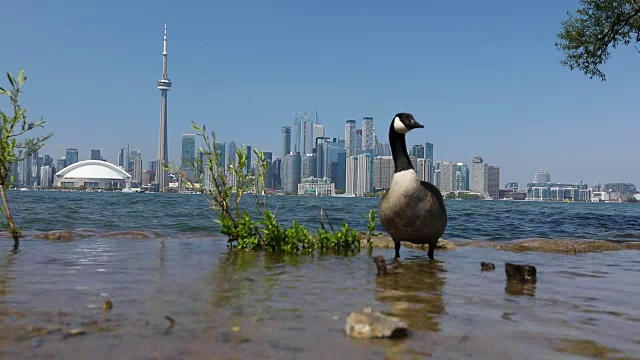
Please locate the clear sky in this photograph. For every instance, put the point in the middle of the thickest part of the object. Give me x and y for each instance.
(482, 76)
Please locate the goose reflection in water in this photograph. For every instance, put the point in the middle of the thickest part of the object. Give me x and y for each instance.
(414, 290)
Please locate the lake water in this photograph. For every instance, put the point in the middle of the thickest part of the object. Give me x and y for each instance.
(232, 305)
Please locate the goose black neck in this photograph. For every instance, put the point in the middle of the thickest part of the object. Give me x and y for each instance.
(399, 152)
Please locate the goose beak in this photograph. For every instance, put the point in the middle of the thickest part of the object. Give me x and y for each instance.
(417, 125)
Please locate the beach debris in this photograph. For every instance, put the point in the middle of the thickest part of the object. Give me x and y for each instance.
(74, 332)
(520, 273)
(107, 305)
(172, 322)
(381, 264)
(487, 266)
(368, 324)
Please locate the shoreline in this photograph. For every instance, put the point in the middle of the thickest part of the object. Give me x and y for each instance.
(563, 246)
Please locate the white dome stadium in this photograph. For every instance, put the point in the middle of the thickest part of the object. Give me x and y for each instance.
(92, 174)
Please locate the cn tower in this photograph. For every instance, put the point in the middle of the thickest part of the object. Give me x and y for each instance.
(164, 85)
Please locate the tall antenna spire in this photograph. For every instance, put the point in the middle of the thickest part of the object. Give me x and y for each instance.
(164, 53)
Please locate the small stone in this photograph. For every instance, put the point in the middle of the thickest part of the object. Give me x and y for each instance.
(75, 332)
(520, 273)
(487, 266)
(108, 305)
(368, 324)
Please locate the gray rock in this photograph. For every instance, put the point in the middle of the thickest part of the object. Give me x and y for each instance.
(520, 273)
(368, 324)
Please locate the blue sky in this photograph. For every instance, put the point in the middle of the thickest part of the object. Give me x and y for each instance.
(483, 77)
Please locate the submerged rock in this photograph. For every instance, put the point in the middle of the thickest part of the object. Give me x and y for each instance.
(368, 324)
(381, 264)
(487, 266)
(63, 235)
(520, 273)
(133, 234)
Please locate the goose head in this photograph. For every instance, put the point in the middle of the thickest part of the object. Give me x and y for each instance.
(404, 122)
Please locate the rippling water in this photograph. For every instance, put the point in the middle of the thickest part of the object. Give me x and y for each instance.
(241, 305)
(177, 213)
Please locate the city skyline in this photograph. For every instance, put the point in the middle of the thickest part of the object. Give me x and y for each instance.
(502, 97)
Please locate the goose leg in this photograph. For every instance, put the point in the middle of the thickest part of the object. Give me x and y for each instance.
(397, 249)
(430, 252)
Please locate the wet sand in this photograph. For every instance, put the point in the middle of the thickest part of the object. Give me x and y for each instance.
(239, 305)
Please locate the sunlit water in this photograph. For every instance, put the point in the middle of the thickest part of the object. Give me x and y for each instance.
(229, 304)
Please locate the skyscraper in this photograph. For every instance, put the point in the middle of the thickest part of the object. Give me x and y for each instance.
(164, 85)
(462, 177)
(71, 156)
(187, 160)
(231, 153)
(479, 176)
(368, 135)
(286, 141)
(417, 151)
(95, 154)
(350, 137)
(493, 182)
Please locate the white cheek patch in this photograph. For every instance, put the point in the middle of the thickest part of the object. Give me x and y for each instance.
(399, 126)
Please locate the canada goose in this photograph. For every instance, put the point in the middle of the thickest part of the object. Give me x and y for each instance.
(411, 210)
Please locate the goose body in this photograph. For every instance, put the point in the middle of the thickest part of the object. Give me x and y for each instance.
(411, 210)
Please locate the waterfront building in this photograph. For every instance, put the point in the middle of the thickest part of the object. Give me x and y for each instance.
(383, 169)
(479, 176)
(95, 154)
(46, 177)
(350, 137)
(71, 156)
(542, 177)
(558, 192)
(290, 172)
(286, 141)
(512, 185)
(462, 177)
(316, 186)
(368, 135)
(188, 156)
(493, 182)
(417, 151)
(447, 176)
(309, 166)
(351, 184)
(424, 170)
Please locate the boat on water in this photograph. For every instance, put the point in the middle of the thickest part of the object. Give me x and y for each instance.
(343, 195)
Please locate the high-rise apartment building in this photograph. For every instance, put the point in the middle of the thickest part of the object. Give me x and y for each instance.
(447, 176)
(424, 170)
(350, 137)
(479, 176)
(46, 177)
(364, 174)
(351, 186)
(368, 135)
(462, 177)
(358, 141)
(493, 182)
(383, 169)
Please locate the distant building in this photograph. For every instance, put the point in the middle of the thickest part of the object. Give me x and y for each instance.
(290, 172)
(71, 156)
(542, 177)
(493, 182)
(316, 187)
(479, 176)
(512, 185)
(95, 154)
(462, 177)
(286, 141)
(368, 135)
(188, 156)
(309, 166)
(94, 174)
(350, 137)
(446, 181)
(383, 169)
